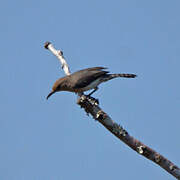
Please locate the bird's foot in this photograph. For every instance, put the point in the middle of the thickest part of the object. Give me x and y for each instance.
(93, 100)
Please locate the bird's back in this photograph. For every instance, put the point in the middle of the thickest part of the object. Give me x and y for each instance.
(85, 77)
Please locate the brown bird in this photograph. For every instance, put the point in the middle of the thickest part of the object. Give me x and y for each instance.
(85, 80)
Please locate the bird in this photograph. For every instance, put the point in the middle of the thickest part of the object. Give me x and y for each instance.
(84, 80)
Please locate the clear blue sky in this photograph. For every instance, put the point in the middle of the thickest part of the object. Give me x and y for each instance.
(54, 139)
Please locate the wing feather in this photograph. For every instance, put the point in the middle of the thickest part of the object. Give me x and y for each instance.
(85, 77)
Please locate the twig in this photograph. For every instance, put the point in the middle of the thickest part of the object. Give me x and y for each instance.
(98, 114)
(59, 55)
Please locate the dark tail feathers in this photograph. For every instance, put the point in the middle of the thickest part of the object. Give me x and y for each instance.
(108, 77)
(123, 75)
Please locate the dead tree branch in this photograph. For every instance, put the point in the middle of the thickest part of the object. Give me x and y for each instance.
(91, 107)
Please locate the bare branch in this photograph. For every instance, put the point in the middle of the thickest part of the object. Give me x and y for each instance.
(59, 55)
(91, 107)
(123, 135)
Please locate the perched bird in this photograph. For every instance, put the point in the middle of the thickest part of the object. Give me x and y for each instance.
(85, 80)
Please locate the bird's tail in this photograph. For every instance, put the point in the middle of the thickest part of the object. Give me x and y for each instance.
(123, 75)
(112, 76)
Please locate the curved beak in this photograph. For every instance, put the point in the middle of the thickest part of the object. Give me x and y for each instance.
(51, 93)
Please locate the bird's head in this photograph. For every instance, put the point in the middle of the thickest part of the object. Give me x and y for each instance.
(59, 85)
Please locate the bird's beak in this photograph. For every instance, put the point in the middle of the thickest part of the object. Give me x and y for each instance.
(51, 93)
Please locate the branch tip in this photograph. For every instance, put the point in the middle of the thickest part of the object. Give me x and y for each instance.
(46, 44)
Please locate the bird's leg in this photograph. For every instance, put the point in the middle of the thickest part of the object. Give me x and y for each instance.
(95, 101)
(95, 89)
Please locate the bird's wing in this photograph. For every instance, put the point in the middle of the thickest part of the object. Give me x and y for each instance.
(86, 76)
